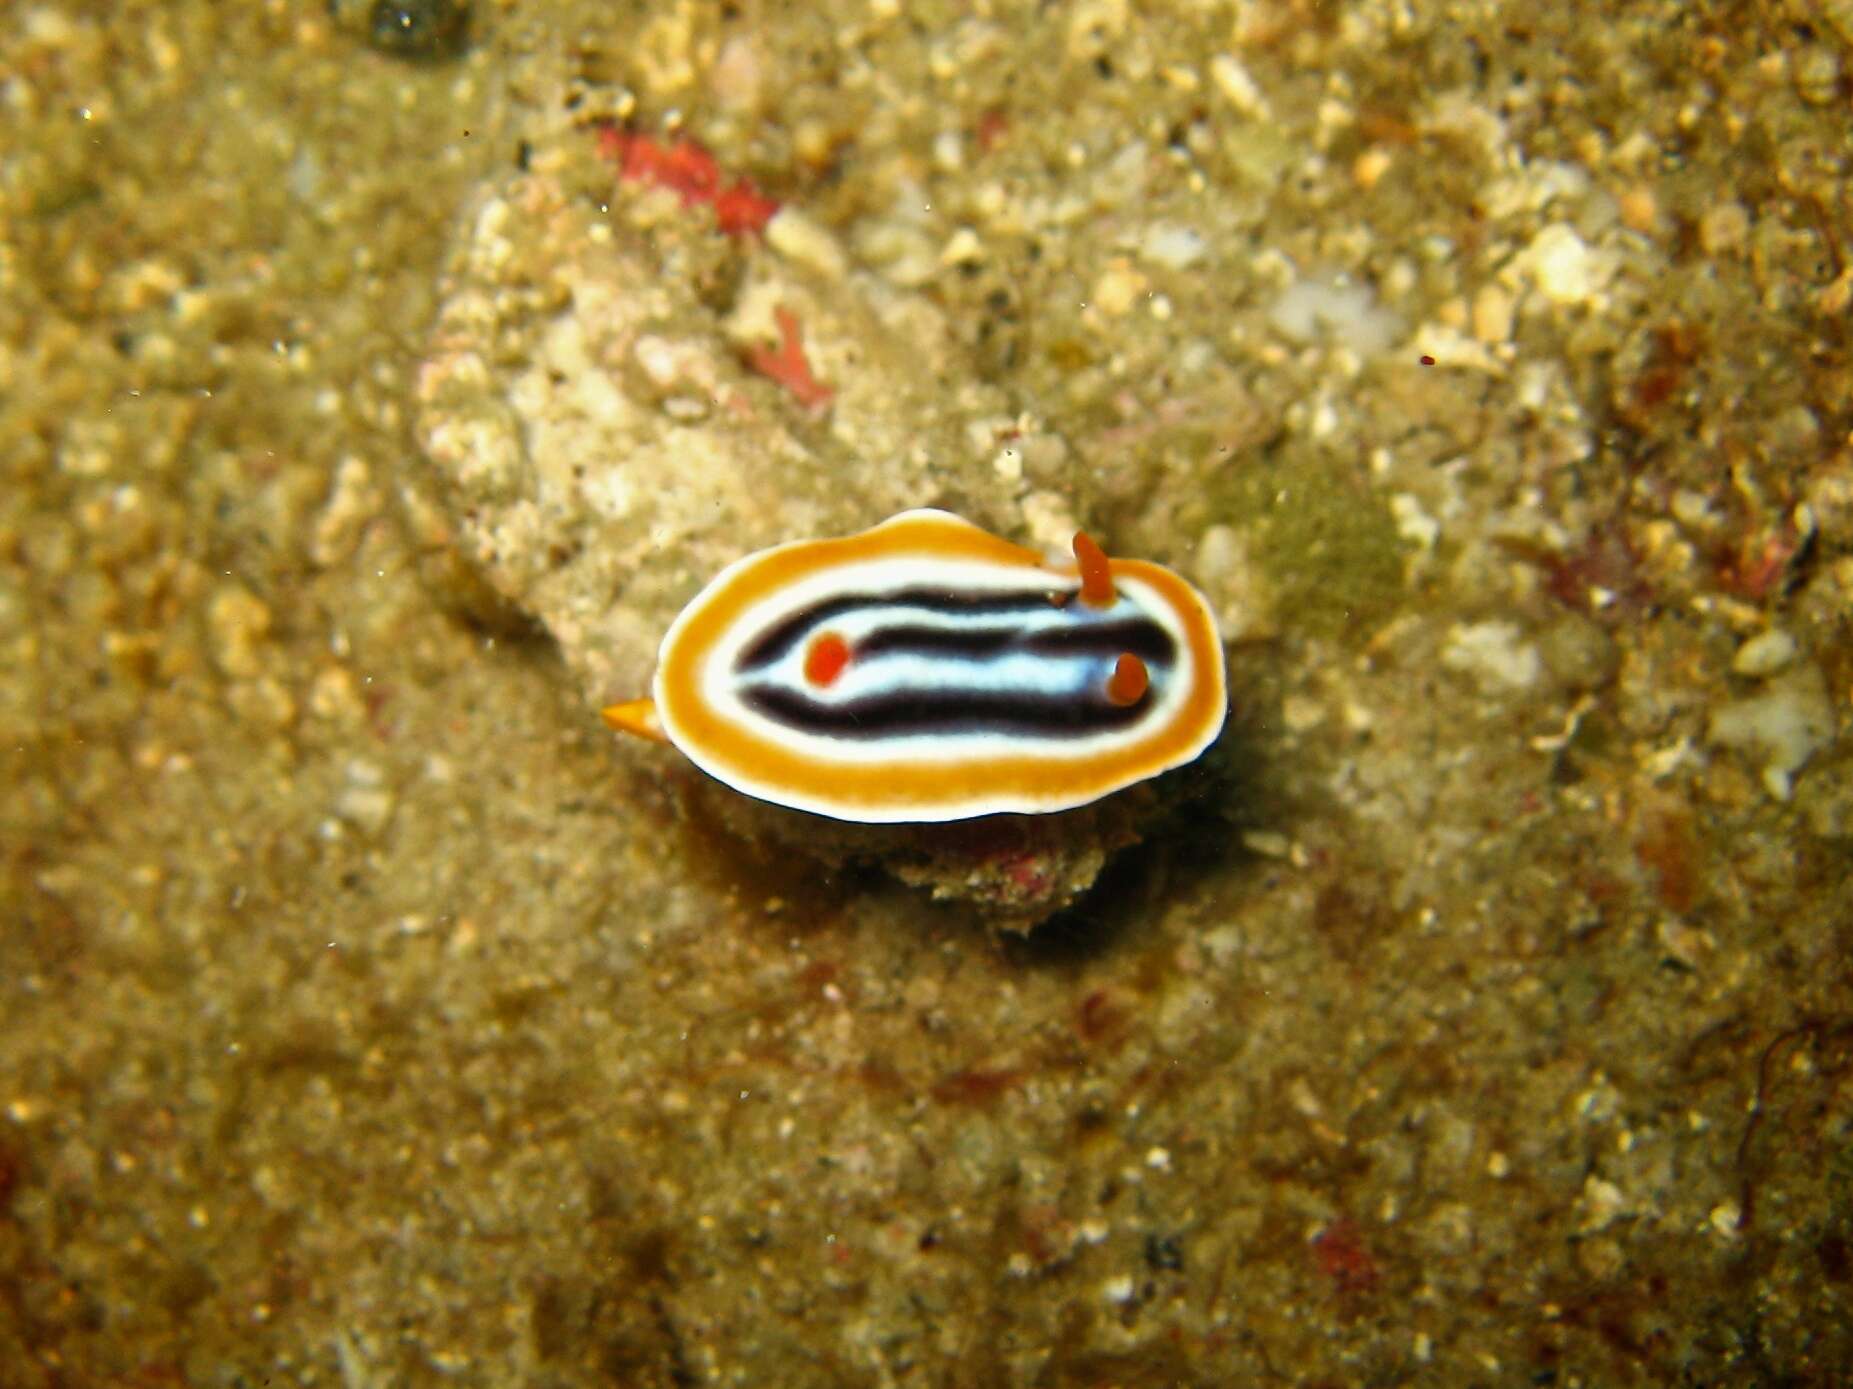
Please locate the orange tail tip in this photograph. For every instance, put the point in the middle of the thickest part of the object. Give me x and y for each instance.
(1096, 575)
(636, 717)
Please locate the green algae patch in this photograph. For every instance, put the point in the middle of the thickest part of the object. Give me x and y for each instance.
(1322, 533)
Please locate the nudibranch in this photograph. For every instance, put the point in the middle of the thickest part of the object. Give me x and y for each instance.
(924, 670)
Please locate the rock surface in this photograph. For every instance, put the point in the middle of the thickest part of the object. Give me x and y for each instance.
(619, 400)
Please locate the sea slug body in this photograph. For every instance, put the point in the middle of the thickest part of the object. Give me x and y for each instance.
(925, 670)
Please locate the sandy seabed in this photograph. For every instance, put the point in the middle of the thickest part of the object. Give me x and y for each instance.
(371, 1017)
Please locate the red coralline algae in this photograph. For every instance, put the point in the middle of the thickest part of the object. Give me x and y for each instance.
(743, 208)
(1757, 567)
(977, 1086)
(687, 169)
(1665, 848)
(1341, 1256)
(787, 364)
(1606, 560)
(992, 126)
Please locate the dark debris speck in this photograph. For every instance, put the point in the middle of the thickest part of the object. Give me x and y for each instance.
(1163, 1253)
(419, 28)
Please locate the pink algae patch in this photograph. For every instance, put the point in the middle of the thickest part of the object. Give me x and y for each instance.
(787, 364)
(686, 168)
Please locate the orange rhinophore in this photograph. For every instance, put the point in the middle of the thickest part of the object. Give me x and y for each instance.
(1129, 681)
(1096, 573)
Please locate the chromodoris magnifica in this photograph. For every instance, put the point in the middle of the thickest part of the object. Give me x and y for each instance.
(925, 670)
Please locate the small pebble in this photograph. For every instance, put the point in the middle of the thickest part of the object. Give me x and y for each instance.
(1494, 655)
(1579, 653)
(1817, 74)
(1413, 523)
(334, 694)
(1368, 169)
(1724, 229)
(963, 247)
(1561, 264)
(1313, 309)
(1789, 723)
(807, 242)
(1639, 209)
(738, 77)
(1119, 1289)
(1118, 288)
(1764, 654)
(1492, 314)
(237, 622)
(365, 802)
(1172, 247)
(1233, 81)
(351, 504)
(1694, 511)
